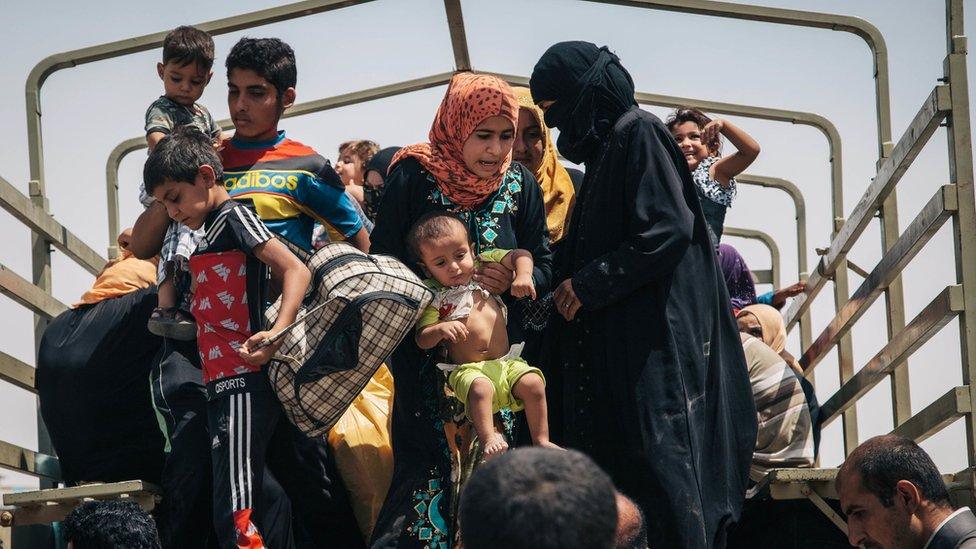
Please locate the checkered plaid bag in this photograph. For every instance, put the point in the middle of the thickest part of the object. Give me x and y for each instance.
(371, 302)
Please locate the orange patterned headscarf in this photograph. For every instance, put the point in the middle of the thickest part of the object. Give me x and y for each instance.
(469, 101)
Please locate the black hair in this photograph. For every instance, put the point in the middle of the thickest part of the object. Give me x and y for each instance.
(178, 157)
(882, 461)
(538, 498)
(270, 58)
(429, 226)
(184, 45)
(110, 524)
(687, 114)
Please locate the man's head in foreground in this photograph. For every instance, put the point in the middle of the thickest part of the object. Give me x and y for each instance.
(892, 494)
(112, 524)
(538, 498)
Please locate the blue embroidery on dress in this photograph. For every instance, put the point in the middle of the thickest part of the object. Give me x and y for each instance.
(430, 525)
(486, 220)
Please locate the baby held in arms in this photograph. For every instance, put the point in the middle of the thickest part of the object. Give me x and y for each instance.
(487, 373)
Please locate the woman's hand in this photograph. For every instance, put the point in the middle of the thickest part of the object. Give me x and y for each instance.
(494, 277)
(565, 300)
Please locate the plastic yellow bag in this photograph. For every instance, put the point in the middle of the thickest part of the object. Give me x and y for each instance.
(363, 454)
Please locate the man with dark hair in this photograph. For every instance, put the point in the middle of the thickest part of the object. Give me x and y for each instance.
(291, 185)
(538, 498)
(894, 498)
(114, 524)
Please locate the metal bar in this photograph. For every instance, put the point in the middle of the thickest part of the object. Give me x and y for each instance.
(301, 109)
(459, 41)
(826, 509)
(28, 461)
(857, 269)
(939, 208)
(46, 514)
(763, 276)
(39, 221)
(895, 312)
(788, 483)
(75, 493)
(45, 506)
(936, 416)
(926, 121)
(23, 292)
(763, 113)
(17, 372)
(766, 240)
(800, 207)
(845, 353)
(960, 148)
(921, 129)
(926, 324)
(863, 29)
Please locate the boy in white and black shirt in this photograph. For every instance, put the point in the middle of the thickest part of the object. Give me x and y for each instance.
(228, 275)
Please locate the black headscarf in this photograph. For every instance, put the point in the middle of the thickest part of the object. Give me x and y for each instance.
(591, 90)
(373, 195)
(381, 161)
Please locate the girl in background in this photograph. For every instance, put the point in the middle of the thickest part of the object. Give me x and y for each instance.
(714, 174)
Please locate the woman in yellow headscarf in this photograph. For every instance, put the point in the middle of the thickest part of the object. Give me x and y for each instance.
(536, 151)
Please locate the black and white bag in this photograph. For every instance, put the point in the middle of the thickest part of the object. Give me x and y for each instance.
(358, 309)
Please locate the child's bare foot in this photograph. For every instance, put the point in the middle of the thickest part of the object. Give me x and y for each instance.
(547, 444)
(494, 445)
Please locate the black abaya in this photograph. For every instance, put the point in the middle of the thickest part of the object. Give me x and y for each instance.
(656, 388)
(93, 383)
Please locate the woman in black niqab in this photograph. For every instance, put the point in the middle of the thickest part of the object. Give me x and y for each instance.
(654, 382)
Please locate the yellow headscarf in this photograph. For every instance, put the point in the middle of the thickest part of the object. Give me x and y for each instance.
(558, 194)
(771, 322)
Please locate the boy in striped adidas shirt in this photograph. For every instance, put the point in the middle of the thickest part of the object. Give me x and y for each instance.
(229, 274)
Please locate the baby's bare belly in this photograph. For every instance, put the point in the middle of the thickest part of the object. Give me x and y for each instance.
(487, 336)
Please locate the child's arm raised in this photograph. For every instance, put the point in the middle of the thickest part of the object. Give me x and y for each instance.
(521, 262)
(295, 278)
(747, 149)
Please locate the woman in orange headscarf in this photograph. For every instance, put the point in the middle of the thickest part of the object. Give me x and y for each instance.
(465, 168)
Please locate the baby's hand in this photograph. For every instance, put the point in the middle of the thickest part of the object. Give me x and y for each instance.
(262, 355)
(522, 286)
(453, 331)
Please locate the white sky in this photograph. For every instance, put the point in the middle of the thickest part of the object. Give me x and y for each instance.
(89, 109)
